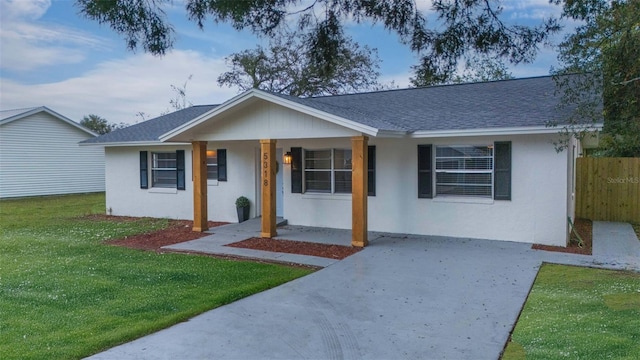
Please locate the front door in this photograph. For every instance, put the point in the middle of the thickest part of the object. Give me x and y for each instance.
(279, 184)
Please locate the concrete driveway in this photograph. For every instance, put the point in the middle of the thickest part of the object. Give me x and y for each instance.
(402, 297)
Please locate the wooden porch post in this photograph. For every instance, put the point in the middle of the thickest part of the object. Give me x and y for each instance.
(268, 186)
(200, 215)
(359, 147)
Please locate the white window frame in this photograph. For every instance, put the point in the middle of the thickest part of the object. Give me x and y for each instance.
(155, 167)
(463, 171)
(332, 171)
(211, 181)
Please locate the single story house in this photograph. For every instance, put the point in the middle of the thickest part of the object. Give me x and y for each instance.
(40, 155)
(467, 160)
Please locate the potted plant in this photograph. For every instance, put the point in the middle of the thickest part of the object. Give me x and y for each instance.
(242, 207)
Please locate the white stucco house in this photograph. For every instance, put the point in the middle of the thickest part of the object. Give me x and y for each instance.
(469, 160)
(40, 155)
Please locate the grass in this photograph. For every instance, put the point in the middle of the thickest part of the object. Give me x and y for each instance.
(63, 294)
(636, 227)
(579, 313)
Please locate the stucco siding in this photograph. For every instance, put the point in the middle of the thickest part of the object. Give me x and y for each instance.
(536, 213)
(40, 155)
(125, 197)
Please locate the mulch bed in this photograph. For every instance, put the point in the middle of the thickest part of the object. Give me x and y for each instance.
(181, 230)
(584, 227)
(178, 231)
(297, 247)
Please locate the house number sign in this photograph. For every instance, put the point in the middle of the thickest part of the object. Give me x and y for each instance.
(265, 169)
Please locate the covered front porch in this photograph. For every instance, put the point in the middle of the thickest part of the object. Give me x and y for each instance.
(268, 124)
(268, 165)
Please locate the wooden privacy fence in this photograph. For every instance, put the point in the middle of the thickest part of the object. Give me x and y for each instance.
(608, 189)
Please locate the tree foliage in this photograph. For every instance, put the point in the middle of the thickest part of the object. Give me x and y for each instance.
(99, 125)
(607, 46)
(474, 68)
(461, 27)
(287, 67)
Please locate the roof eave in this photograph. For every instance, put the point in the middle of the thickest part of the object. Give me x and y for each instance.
(133, 143)
(530, 130)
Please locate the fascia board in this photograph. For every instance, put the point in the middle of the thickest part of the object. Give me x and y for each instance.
(135, 143)
(491, 132)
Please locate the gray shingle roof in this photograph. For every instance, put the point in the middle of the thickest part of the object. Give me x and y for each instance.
(498, 104)
(150, 130)
(529, 102)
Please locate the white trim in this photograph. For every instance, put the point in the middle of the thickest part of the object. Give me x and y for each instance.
(530, 130)
(463, 199)
(259, 94)
(45, 109)
(135, 143)
(161, 190)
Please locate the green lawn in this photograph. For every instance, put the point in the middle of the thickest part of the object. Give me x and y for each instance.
(579, 313)
(63, 294)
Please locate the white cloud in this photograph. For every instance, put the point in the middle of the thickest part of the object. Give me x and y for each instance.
(118, 89)
(28, 43)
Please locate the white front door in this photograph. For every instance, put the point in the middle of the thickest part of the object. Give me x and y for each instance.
(279, 184)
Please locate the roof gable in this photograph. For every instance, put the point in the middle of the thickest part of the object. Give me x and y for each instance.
(7, 116)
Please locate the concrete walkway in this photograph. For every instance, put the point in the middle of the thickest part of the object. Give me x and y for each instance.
(403, 297)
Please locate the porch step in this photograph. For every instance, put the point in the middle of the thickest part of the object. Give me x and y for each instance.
(281, 222)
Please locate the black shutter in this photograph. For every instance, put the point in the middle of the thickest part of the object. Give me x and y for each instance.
(296, 170)
(502, 170)
(222, 164)
(425, 171)
(371, 171)
(180, 183)
(144, 170)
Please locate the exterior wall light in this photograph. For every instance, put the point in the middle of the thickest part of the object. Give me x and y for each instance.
(287, 158)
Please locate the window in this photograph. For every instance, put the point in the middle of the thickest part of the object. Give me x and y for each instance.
(464, 170)
(212, 165)
(327, 171)
(163, 170)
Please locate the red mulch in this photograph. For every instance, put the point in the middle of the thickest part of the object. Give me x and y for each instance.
(584, 227)
(178, 231)
(297, 247)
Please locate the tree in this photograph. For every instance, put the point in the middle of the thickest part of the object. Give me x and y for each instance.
(462, 26)
(180, 101)
(99, 125)
(476, 68)
(607, 46)
(286, 67)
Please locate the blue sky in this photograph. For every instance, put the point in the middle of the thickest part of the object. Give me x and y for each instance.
(51, 56)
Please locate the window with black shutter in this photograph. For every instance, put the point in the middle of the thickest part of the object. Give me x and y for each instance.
(425, 171)
(502, 171)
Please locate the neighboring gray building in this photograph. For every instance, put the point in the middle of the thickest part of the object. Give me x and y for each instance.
(39, 155)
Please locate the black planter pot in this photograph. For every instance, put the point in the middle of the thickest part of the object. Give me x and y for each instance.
(243, 213)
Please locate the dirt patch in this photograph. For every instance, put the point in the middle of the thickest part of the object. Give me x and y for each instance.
(297, 247)
(584, 227)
